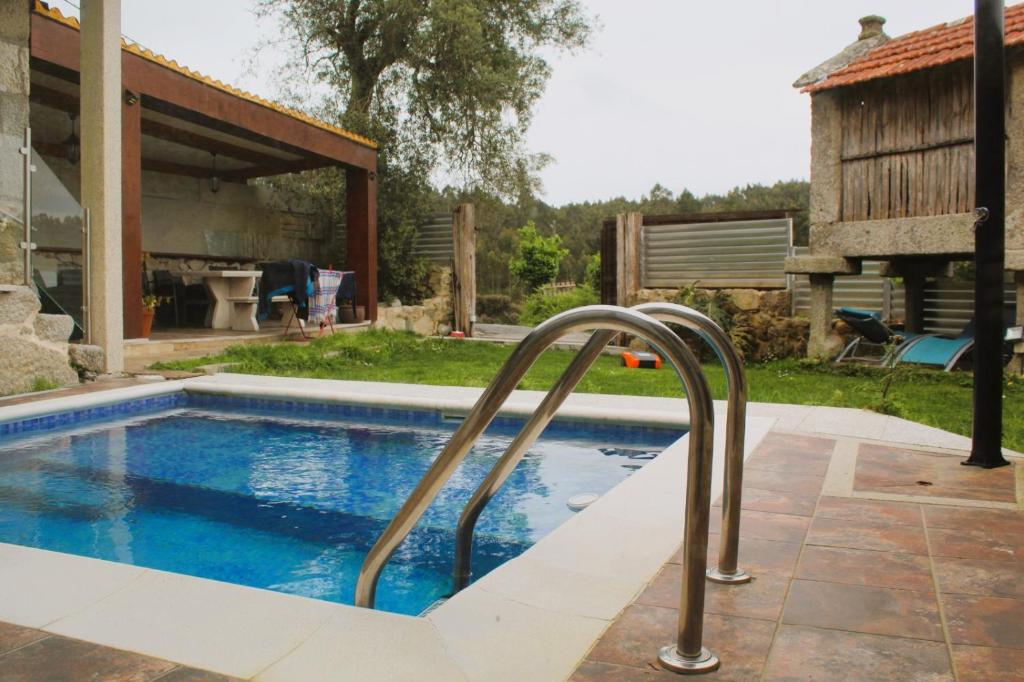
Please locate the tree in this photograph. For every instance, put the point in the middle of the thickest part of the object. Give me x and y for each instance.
(537, 258)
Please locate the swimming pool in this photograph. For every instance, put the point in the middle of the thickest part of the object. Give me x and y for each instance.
(289, 496)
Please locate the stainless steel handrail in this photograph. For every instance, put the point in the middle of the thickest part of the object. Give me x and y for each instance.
(727, 571)
(688, 654)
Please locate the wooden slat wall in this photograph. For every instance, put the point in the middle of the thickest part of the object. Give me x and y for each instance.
(907, 147)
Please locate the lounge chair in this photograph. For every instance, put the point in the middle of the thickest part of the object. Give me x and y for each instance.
(946, 351)
(873, 334)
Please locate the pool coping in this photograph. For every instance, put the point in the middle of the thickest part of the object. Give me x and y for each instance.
(535, 617)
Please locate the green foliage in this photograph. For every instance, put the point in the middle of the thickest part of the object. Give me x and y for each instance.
(540, 305)
(496, 308)
(42, 384)
(592, 274)
(714, 304)
(537, 258)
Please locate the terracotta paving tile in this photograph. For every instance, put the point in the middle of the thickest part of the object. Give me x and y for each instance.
(871, 610)
(767, 526)
(783, 481)
(755, 499)
(862, 567)
(595, 671)
(968, 518)
(810, 445)
(60, 658)
(988, 664)
(866, 535)
(987, 621)
(634, 640)
(15, 636)
(756, 556)
(761, 598)
(976, 544)
(878, 511)
(802, 653)
(980, 576)
(787, 459)
(897, 470)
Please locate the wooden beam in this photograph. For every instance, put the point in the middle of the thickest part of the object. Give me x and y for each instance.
(243, 174)
(55, 99)
(361, 236)
(208, 144)
(59, 44)
(57, 150)
(131, 218)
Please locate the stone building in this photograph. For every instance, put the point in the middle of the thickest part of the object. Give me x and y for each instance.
(892, 163)
(164, 159)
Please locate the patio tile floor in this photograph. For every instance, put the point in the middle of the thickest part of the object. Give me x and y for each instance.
(862, 587)
(32, 655)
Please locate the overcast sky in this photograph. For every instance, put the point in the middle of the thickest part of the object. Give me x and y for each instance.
(690, 94)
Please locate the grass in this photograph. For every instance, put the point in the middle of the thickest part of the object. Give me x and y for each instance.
(927, 396)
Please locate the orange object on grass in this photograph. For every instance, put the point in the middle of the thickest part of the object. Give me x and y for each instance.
(634, 360)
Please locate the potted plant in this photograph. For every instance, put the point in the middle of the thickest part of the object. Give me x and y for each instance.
(149, 306)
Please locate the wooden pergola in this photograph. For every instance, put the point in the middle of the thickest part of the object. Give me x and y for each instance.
(173, 119)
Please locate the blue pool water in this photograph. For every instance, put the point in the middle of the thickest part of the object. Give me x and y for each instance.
(290, 497)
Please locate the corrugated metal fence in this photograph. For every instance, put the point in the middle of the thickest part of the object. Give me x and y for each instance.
(948, 304)
(434, 239)
(735, 254)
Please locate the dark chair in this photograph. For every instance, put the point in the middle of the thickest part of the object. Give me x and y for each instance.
(873, 334)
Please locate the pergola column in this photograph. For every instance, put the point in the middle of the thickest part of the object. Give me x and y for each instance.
(361, 233)
(131, 214)
(101, 171)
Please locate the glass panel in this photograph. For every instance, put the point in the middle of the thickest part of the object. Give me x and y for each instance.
(57, 230)
(11, 208)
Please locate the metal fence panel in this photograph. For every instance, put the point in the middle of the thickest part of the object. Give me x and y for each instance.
(434, 239)
(747, 253)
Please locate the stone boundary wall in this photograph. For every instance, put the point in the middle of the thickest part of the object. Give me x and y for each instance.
(432, 317)
(33, 345)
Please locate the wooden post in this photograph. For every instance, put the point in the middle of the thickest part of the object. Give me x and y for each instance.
(464, 267)
(361, 235)
(131, 216)
(627, 261)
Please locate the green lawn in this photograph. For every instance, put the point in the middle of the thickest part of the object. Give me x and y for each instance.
(926, 396)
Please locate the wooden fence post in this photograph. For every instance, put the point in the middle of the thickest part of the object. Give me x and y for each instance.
(464, 267)
(628, 278)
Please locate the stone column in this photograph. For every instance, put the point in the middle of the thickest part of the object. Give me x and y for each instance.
(1017, 363)
(821, 344)
(913, 302)
(14, 86)
(101, 171)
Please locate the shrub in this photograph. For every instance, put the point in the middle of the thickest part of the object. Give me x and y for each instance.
(592, 275)
(496, 308)
(537, 258)
(540, 306)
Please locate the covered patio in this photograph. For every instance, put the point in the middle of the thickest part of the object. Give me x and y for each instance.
(190, 147)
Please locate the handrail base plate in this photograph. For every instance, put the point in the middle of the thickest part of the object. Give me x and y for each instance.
(737, 578)
(671, 659)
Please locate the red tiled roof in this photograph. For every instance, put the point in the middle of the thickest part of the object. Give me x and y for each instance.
(919, 50)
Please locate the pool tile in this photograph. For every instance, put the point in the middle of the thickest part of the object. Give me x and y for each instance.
(761, 598)
(867, 568)
(60, 658)
(981, 577)
(985, 621)
(14, 637)
(870, 610)
(806, 653)
(976, 544)
(872, 511)
(866, 535)
(982, 663)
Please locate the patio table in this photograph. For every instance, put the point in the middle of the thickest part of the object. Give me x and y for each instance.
(233, 304)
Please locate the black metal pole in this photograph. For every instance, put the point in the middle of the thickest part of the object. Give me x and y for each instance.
(990, 195)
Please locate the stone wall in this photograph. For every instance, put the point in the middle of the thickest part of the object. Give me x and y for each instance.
(33, 346)
(760, 324)
(433, 316)
(14, 118)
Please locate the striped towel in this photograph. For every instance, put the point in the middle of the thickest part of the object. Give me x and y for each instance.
(325, 292)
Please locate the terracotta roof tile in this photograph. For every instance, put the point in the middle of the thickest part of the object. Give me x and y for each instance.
(56, 15)
(941, 44)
